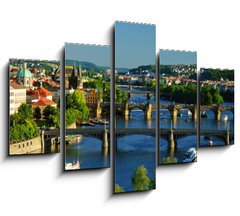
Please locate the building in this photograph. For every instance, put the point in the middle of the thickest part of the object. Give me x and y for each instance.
(43, 103)
(75, 80)
(93, 96)
(17, 97)
(24, 77)
(33, 95)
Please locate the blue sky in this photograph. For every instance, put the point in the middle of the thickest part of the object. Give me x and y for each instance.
(134, 44)
(99, 55)
(173, 57)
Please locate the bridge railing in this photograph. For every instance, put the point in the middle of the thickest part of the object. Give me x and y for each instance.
(137, 131)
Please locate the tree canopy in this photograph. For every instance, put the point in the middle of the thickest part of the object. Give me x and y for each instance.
(76, 107)
(210, 95)
(22, 126)
(217, 74)
(119, 189)
(140, 180)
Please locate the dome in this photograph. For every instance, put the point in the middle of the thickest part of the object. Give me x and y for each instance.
(24, 73)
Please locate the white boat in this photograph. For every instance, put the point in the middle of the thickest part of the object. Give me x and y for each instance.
(190, 155)
(225, 118)
(210, 143)
(72, 166)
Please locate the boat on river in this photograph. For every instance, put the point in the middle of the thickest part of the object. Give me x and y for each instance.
(72, 166)
(210, 143)
(225, 118)
(87, 124)
(99, 121)
(190, 155)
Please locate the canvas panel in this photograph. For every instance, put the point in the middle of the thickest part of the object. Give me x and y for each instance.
(135, 115)
(178, 107)
(34, 107)
(216, 107)
(87, 113)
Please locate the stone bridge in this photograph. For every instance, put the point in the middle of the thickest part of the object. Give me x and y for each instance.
(170, 134)
(217, 110)
(147, 93)
(125, 109)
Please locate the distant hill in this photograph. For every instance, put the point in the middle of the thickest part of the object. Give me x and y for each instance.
(151, 68)
(85, 65)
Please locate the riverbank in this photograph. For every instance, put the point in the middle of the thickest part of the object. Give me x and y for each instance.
(25, 147)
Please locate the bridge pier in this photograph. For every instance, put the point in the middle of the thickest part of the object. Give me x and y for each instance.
(99, 110)
(42, 139)
(195, 113)
(174, 114)
(218, 114)
(227, 138)
(126, 111)
(105, 139)
(171, 142)
(149, 112)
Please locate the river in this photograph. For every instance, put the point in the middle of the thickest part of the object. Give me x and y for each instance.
(135, 150)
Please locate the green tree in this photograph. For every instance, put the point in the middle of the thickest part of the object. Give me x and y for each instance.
(25, 112)
(70, 116)
(37, 113)
(121, 96)
(14, 119)
(76, 101)
(217, 98)
(152, 184)
(49, 110)
(54, 119)
(119, 189)
(140, 181)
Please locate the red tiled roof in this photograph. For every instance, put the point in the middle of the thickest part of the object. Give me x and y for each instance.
(16, 86)
(39, 91)
(14, 70)
(44, 102)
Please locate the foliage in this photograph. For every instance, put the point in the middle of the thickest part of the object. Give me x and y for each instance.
(76, 107)
(119, 189)
(37, 113)
(106, 92)
(140, 181)
(169, 160)
(152, 184)
(54, 119)
(210, 95)
(121, 96)
(52, 116)
(71, 116)
(217, 74)
(27, 129)
(25, 111)
(181, 93)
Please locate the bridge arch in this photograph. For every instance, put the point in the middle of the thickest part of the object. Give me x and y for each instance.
(227, 112)
(208, 113)
(164, 112)
(141, 112)
(185, 112)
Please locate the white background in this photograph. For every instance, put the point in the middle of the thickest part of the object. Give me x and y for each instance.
(35, 185)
